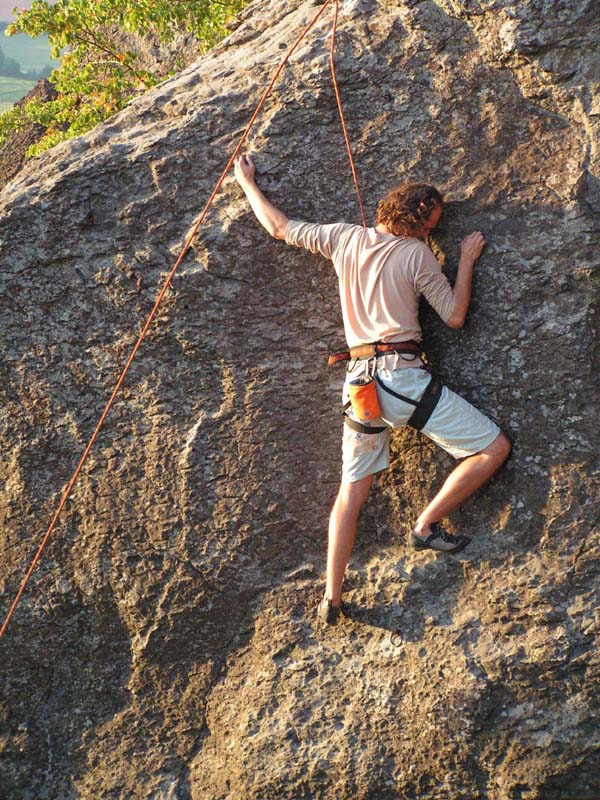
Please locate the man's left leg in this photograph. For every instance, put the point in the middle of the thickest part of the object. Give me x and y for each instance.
(462, 482)
(465, 433)
(342, 531)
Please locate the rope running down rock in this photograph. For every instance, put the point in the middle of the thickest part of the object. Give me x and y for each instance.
(169, 278)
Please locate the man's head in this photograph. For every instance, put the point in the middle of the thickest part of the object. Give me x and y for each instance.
(412, 209)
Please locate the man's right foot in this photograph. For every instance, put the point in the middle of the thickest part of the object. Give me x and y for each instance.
(329, 613)
(438, 539)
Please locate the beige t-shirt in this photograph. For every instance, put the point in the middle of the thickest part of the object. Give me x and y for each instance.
(381, 277)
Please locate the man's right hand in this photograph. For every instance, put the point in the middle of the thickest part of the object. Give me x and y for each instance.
(269, 216)
(471, 247)
(244, 169)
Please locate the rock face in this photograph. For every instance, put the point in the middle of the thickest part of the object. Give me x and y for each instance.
(166, 646)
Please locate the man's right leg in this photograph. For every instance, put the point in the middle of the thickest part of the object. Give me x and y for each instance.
(342, 531)
(363, 455)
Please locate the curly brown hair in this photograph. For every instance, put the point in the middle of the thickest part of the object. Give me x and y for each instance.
(404, 210)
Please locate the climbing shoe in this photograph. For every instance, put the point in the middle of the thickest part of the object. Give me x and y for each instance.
(329, 613)
(439, 539)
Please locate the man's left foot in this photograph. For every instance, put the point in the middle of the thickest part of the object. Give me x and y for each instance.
(438, 539)
(329, 613)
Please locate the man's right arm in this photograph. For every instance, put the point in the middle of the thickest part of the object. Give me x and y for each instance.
(470, 250)
(269, 216)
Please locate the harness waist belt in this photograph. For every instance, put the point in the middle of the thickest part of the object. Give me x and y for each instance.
(365, 351)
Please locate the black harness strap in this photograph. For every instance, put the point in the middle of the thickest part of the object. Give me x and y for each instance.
(395, 394)
(424, 408)
(427, 403)
(358, 426)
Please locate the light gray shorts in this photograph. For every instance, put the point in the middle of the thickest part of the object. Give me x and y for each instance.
(455, 425)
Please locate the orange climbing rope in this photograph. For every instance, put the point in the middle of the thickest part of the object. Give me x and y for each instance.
(169, 278)
(339, 105)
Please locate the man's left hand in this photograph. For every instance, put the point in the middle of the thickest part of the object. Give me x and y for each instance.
(471, 247)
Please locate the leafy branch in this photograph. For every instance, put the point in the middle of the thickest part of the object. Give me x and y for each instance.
(95, 78)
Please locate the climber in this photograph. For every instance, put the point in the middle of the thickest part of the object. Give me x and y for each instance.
(382, 271)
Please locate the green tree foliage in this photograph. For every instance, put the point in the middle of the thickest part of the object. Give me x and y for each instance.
(97, 77)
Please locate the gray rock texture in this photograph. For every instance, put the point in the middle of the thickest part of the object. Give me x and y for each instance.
(166, 646)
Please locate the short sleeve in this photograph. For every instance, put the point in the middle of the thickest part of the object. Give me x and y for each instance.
(323, 239)
(433, 285)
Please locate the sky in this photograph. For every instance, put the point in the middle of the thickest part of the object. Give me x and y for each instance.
(6, 7)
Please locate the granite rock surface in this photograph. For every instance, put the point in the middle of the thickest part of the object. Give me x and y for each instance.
(166, 646)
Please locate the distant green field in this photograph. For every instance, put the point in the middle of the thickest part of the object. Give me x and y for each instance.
(11, 90)
(30, 53)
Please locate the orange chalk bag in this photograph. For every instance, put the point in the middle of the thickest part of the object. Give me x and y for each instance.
(362, 393)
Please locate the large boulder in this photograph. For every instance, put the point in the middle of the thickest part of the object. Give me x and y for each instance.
(166, 645)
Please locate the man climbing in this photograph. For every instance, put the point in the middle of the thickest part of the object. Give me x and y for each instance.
(382, 272)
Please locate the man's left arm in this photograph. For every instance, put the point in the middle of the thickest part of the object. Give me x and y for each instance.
(269, 216)
(470, 250)
(450, 303)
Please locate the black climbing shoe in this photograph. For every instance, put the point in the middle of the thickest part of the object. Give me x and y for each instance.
(439, 540)
(329, 613)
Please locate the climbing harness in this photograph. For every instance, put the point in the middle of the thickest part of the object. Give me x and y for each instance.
(424, 407)
(167, 282)
(362, 391)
